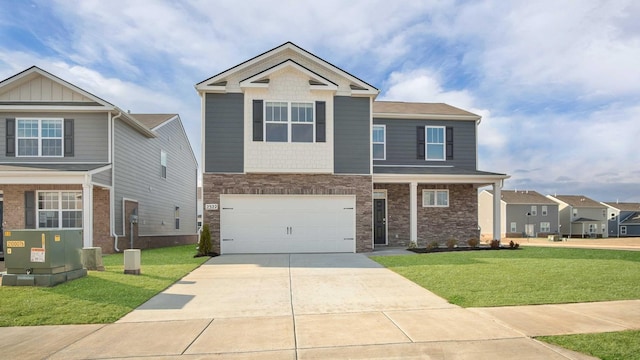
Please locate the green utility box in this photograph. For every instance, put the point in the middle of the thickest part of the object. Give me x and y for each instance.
(42, 257)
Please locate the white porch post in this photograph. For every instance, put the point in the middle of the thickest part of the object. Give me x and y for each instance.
(87, 215)
(497, 197)
(413, 211)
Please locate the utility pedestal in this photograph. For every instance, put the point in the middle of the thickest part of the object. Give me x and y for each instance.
(132, 261)
(92, 258)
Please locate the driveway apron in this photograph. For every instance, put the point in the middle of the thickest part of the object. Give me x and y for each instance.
(304, 306)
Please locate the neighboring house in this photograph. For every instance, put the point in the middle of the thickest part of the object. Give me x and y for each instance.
(525, 213)
(297, 157)
(581, 216)
(71, 160)
(624, 219)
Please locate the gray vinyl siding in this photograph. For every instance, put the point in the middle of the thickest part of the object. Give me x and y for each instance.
(401, 142)
(224, 133)
(351, 135)
(138, 177)
(518, 213)
(91, 137)
(102, 178)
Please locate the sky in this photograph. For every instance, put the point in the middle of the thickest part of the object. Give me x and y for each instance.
(557, 83)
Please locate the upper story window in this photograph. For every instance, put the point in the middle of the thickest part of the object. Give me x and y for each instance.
(534, 210)
(40, 137)
(378, 139)
(289, 122)
(435, 198)
(163, 164)
(545, 210)
(435, 142)
(60, 209)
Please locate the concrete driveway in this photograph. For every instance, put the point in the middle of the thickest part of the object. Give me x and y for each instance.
(294, 306)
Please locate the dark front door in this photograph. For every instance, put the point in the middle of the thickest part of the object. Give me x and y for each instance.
(379, 222)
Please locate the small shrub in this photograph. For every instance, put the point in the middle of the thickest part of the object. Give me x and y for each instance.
(495, 244)
(432, 245)
(516, 246)
(204, 245)
(451, 243)
(511, 244)
(473, 242)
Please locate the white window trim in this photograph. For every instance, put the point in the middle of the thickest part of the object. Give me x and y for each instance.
(444, 143)
(39, 138)
(513, 227)
(546, 228)
(289, 121)
(435, 191)
(534, 210)
(59, 209)
(163, 164)
(545, 210)
(383, 143)
(623, 230)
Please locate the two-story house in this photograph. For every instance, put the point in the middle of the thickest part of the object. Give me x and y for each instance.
(580, 216)
(71, 160)
(299, 157)
(525, 213)
(624, 219)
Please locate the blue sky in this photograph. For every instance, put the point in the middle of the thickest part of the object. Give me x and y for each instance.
(557, 83)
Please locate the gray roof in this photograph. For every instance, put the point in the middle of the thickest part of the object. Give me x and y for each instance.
(579, 201)
(413, 108)
(624, 206)
(50, 167)
(153, 120)
(524, 197)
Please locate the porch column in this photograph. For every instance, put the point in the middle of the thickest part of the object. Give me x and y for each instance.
(413, 211)
(497, 197)
(87, 218)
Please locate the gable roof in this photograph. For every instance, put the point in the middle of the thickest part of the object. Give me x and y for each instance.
(624, 206)
(218, 82)
(400, 109)
(634, 219)
(524, 197)
(152, 121)
(578, 201)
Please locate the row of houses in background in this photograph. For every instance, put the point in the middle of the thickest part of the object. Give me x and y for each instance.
(528, 213)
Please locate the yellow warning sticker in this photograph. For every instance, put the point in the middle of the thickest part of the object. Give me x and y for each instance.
(7, 233)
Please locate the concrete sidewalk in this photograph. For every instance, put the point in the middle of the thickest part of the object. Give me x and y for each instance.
(320, 306)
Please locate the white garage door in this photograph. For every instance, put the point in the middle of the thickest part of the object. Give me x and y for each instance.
(287, 223)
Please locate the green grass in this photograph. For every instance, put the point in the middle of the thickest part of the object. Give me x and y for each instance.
(606, 346)
(100, 297)
(531, 275)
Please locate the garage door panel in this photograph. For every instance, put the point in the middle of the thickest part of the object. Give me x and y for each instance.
(281, 224)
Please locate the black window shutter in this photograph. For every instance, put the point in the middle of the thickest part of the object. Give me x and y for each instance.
(321, 121)
(11, 137)
(420, 142)
(68, 137)
(257, 120)
(449, 143)
(30, 209)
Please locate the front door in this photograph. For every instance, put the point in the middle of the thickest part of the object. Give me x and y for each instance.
(379, 221)
(529, 230)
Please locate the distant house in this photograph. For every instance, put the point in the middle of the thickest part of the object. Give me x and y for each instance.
(71, 160)
(524, 214)
(581, 216)
(624, 219)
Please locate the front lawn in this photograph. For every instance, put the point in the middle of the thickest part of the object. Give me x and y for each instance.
(100, 297)
(606, 346)
(532, 275)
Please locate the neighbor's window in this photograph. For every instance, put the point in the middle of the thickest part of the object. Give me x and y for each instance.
(177, 217)
(435, 142)
(623, 230)
(534, 210)
(435, 198)
(60, 210)
(575, 212)
(378, 139)
(289, 122)
(514, 227)
(39, 137)
(163, 164)
(545, 227)
(545, 210)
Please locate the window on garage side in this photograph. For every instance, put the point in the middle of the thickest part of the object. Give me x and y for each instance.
(378, 139)
(60, 210)
(163, 164)
(435, 198)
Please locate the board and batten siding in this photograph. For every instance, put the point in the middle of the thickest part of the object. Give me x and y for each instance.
(401, 142)
(352, 135)
(90, 136)
(224, 133)
(138, 176)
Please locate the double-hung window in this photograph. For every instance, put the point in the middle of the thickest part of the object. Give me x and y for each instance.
(289, 122)
(379, 141)
(545, 210)
(40, 137)
(435, 198)
(545, 227)
(60, 210)
(163, 164)
(435, 143)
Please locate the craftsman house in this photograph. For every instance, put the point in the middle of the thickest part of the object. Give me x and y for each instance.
(71, 160)
(299, 157)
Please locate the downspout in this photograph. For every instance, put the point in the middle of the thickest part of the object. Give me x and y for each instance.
(112, 222)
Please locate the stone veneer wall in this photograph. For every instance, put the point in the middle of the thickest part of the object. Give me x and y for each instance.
(459, 220)
(292, 184)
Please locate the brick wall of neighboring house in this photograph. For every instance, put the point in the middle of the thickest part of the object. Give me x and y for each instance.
(292, 184)
(101, 225)
(13, 213)
(398, 218)
(459, 220)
